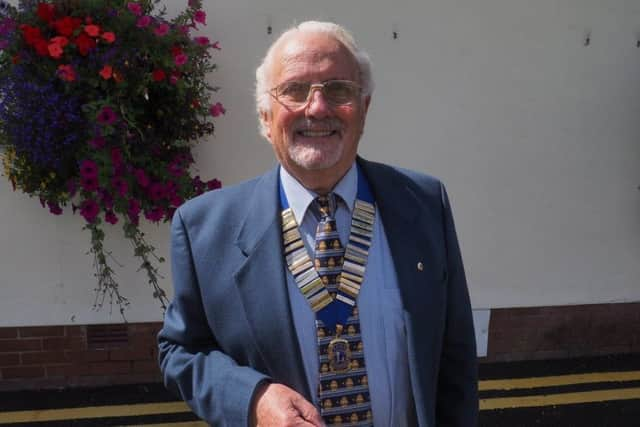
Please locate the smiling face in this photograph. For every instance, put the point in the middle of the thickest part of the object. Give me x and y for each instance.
(317, 143)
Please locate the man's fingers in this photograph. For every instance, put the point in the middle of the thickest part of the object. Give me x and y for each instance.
(307, 411)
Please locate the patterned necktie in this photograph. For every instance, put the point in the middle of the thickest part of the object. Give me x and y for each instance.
(343, 389)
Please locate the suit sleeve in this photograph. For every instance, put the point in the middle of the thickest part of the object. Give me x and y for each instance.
(457, 395)
(192, 365)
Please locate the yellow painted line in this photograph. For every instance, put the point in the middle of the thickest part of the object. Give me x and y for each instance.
(178, 424)
(560, 380)
(559, 399)
(93, 412)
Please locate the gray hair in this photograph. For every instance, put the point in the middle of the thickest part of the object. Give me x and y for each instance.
(341, 34)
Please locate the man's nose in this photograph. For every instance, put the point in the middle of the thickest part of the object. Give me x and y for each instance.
(317, 106)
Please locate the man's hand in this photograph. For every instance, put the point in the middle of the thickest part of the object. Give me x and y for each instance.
(277, 405)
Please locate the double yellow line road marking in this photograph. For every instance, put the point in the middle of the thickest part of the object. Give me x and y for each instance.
(145, 409)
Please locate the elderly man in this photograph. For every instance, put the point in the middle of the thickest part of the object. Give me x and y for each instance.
(329, 291)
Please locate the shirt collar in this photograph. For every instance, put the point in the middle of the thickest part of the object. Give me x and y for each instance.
(300, 198)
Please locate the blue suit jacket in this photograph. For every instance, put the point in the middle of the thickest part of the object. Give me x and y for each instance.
(229, 326)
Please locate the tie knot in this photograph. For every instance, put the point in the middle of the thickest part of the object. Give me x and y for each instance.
(326, 205)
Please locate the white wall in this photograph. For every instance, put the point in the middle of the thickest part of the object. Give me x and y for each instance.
(536, 136)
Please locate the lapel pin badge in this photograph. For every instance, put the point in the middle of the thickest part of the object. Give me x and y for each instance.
(420, 266)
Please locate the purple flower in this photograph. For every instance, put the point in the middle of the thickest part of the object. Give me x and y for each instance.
(116, 157)
(54, 208)
(120, 185)
(176, 200)
(156, 191)
(143, 21)
(110, 217)
(154, 214)
(88, 169)
(89, 183)
(142, 178)
(89, 210)
(133, 211)
(106, 199)
(98, 142)
(106, 116)
(175, 169)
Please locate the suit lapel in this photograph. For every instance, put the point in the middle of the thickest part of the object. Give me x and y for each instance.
(262, 284)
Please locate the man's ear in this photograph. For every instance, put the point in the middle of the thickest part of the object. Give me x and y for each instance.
(265, 120)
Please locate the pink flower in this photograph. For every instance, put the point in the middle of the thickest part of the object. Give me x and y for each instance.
(202, 41)
(156, 191)
(54, 208)
(110, 217)
(89, 210)
(89, 183)
(142, 178)
(161, 30)
(92, 30)
(176, 200)
(217, 109)
(134, 8)
(98, 142)
(155, 214)
(214, 184)
(88, 169)
(216, 45)
(106, 116)
(175, 169)
(180, 59)
(120, 185)
(200, 17)
(55, 50)
(143, 21)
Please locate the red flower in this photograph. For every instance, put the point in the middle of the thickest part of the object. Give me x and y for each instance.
(66, 72)
(92, 30)
(159, 75)
(85, 44)
(55, 50)
(89, 210)
(42, 47)
(67, 25)
(217, 109)
(30, 34)
(108, 36)
(175, 50)
(61, 40)
(46, 12)
(106, 72)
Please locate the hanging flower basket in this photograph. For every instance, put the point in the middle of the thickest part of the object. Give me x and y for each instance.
(101, 102)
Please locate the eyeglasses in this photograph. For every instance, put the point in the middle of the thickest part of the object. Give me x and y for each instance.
(297, 94)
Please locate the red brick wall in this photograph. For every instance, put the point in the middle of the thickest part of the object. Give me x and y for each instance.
(563, 331)
(59, 356)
